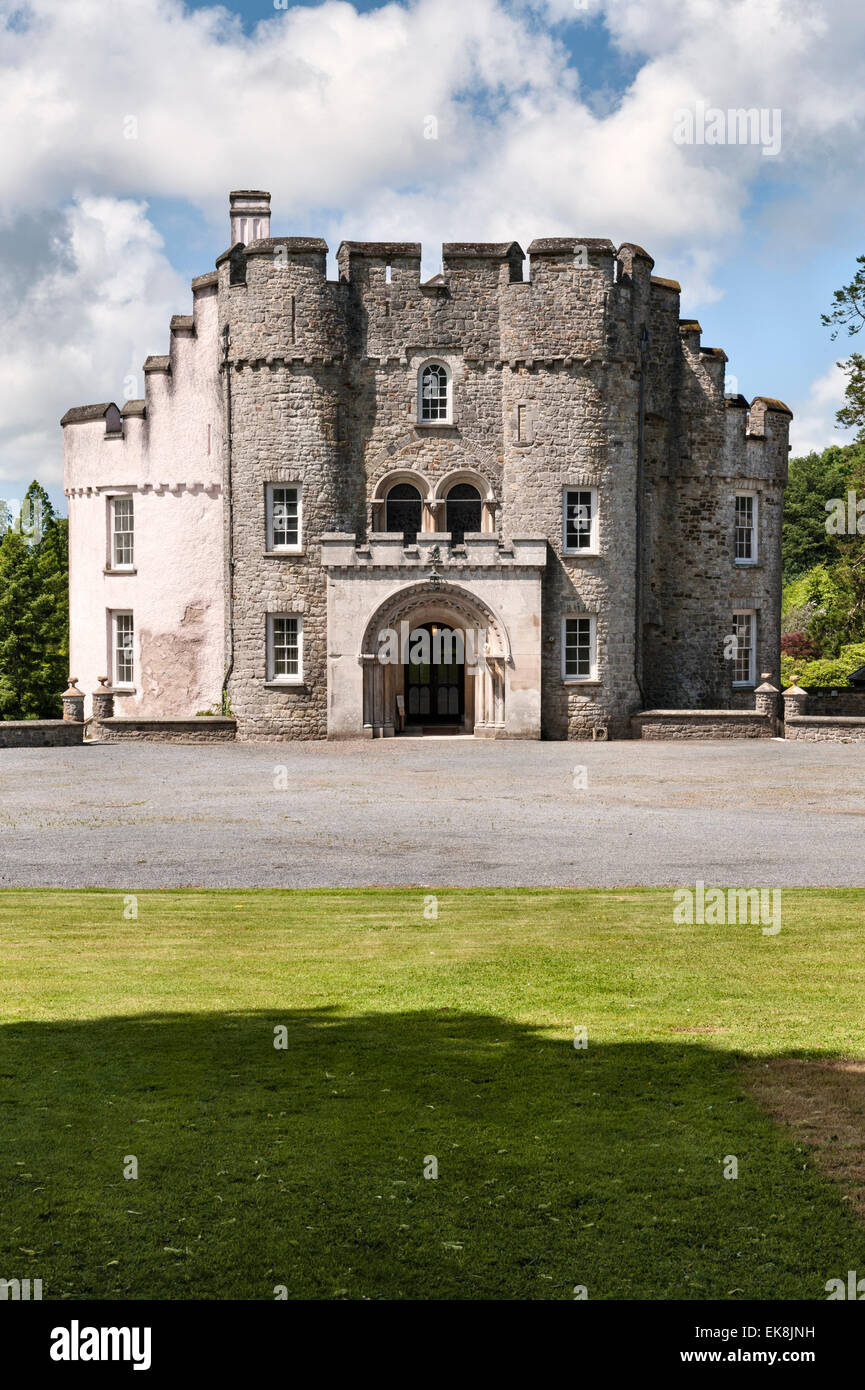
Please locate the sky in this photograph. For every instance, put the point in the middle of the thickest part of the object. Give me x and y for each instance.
(125, 123)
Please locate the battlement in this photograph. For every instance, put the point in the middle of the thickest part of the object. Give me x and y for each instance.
(583, 301)
(756, 437)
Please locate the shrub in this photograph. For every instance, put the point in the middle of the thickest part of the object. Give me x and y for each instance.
(800, 646)
(827, 672)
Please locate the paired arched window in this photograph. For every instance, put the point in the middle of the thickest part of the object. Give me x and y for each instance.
(399, 507)
(462, 511)
(434, 386)
(403, 509)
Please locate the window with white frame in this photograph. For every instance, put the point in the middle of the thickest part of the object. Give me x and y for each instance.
(745, 653)
(746, 528)
(122, 524)
(283, 516)
(284, 648)
(580, 520)
(578, 648)
(122, 648)
(434, 394)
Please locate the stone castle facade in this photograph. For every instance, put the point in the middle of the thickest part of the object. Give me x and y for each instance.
(547, 460)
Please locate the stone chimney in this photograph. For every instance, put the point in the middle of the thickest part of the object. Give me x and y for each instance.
(250, 215)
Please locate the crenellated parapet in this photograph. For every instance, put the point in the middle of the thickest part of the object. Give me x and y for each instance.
(361, 411)
(275, 296)
(757, 440)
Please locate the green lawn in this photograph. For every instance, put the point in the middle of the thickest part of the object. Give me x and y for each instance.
(409, 1037)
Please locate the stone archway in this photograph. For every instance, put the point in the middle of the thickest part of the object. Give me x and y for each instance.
(486, 648)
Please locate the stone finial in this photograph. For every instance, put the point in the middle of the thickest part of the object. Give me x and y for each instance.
(766, 700)
(795, 700)
(103, 700)
(73, 702)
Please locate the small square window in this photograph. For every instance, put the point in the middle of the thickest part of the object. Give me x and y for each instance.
(745, 653)
(580, 521)
(122, 527)
(578, 648)
(283, 516)
(746, 528)
(122, 645)
(285, 648)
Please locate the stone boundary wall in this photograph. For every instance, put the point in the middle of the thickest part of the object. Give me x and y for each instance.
(846, 702)
(700, 723)
(40, 733)
(820, 728)
(205, 729)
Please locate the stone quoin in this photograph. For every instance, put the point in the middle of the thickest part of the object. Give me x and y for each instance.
(547, 460)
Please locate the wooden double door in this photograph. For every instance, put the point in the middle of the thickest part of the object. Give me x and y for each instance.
(435, 692)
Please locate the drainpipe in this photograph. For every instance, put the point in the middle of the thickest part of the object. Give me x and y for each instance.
(229, 502)
(638, 518)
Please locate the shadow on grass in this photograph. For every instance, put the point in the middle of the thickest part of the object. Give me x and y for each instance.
(304, 1166)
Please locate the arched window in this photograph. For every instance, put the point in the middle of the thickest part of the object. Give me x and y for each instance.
(462, 511)
(434, 402)
(403, 512)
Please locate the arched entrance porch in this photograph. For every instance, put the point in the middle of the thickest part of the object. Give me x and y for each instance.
(434, 656)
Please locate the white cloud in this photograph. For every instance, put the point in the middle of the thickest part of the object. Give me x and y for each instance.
(814, 427)
(327, 108)
(74, 332)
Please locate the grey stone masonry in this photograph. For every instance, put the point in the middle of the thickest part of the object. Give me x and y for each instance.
(704, 723)
(766, 701)
(210, 729)
(795, 702)
(579, 375)
(40, 733)
(824, 728)
(568, 384)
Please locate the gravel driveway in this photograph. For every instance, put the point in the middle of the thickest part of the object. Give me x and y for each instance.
(433, 812)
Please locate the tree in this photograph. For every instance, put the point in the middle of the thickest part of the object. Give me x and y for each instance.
(52, 562)
(848, 312)
(798, 646)
(24, 611)
(838, 595)
(813, 481)
(34, 614)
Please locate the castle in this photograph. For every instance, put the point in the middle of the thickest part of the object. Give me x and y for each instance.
(546, 462)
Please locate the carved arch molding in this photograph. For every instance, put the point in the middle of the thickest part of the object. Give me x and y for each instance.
(456, 607)
(444, 603)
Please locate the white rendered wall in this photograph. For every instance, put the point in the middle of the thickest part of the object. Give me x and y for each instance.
(171, 464)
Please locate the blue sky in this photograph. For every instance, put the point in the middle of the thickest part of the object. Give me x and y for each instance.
(554, 117)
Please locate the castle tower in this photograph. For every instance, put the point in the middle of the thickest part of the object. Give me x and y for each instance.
(547, 463)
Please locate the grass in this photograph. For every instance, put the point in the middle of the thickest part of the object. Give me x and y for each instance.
(409, 1037)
